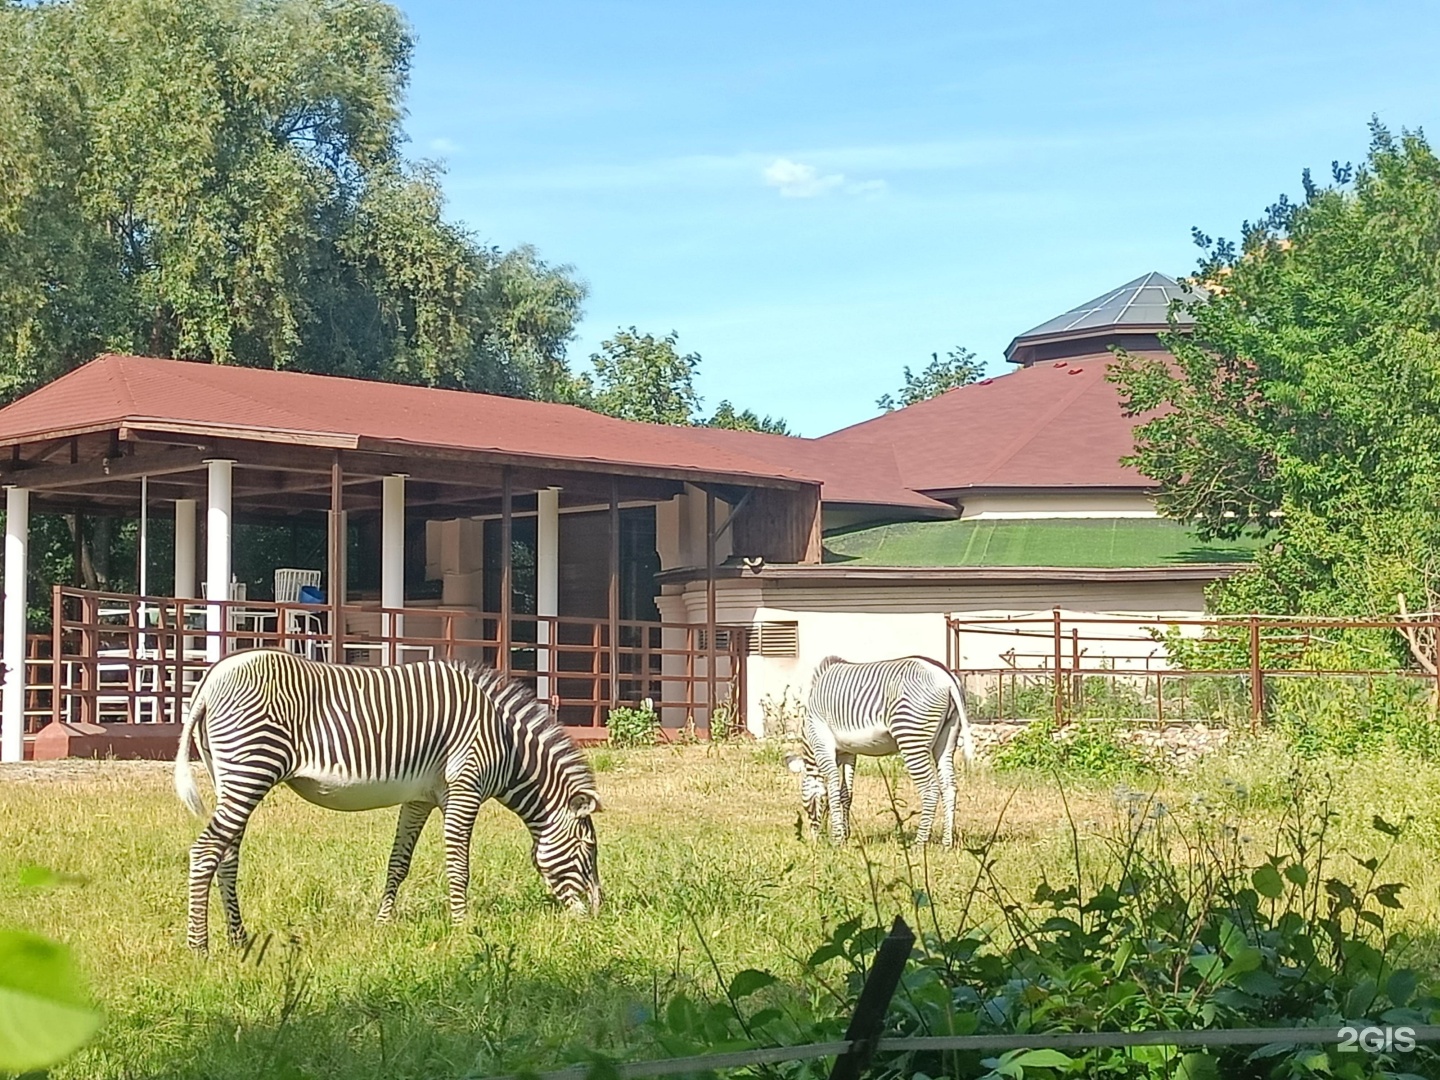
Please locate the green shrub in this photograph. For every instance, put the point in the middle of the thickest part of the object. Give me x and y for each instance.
(1091, 749)
(1383, 714)
(633, 727)
(1173, 926)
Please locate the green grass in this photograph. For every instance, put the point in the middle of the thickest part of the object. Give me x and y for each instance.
(1097, 542)
(694, 842)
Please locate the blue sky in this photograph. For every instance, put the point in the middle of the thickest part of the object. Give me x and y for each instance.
(814, 196)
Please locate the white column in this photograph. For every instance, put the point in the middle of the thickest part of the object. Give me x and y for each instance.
(17, 556)
(184, 548)
(392, 558)
(217, 554)
(547, 582)
(143, 579)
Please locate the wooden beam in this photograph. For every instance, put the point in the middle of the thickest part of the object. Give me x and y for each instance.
(125, 466)
(335, 563)
(710, 613)
(614, 596)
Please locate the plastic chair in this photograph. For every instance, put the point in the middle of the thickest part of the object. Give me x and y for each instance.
(288, 582)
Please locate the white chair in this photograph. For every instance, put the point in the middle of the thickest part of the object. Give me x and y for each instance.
(288, 583)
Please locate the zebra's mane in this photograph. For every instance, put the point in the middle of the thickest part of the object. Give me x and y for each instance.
(827, 662)
(517, 703)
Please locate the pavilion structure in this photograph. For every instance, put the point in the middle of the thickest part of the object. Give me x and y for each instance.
(210, 445)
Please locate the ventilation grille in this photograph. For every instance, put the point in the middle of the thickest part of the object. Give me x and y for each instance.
(761, 639)
(775, 639)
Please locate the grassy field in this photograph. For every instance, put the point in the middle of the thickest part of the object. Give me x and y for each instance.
(696, 844)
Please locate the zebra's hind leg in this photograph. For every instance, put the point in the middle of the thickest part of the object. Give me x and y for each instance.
(411, 823)
(921, 766)
(459, 812)
(225, 877)
(217, 841)
(947, 793)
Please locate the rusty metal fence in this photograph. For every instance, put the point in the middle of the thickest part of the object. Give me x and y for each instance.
(1132, 668)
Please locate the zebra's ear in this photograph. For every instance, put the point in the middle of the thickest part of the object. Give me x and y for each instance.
(583, 804)
(794, 763)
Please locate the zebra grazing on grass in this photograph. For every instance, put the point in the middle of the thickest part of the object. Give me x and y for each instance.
(357, 738)
(912, 706)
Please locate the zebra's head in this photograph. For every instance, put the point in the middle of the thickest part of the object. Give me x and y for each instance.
(567, 855)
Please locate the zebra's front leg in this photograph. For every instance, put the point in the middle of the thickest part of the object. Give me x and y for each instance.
(847, 784)
(835, 795)
(408, 828)
(459, 813)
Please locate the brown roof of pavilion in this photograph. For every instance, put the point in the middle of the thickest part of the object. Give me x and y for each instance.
(1052, 425)
(326, 411)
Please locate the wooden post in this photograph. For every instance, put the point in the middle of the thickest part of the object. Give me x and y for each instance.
(1257, 685)
(1059, 677)
(335, 563)
(1077, 697)
(507, 567)
(710, 613)
(867, 1023)
(614, 594)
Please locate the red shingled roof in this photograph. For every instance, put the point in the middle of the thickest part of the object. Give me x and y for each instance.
(352, 413)
(1053, 425)
(854, 471)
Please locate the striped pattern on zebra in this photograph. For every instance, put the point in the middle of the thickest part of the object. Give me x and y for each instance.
(421, 736)
(912, 706)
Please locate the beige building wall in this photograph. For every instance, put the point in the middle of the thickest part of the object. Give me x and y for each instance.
(884, 621)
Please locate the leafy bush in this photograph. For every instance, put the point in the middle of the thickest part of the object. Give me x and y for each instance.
(633, 727)
(1087, 748)
(1176, 927)
(1378, 715)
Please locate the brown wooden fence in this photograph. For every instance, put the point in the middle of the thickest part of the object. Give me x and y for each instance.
(118, 657)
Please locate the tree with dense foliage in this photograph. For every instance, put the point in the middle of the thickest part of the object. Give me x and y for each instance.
(959, 368)
(1305, 404)
(222, 180)
(726, 416)
(642, 377)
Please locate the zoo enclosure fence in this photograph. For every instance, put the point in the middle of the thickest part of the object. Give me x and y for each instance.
(116, 657)
(1121, 667)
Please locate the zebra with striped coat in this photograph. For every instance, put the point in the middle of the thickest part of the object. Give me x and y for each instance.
(912, 706)
(420, 736)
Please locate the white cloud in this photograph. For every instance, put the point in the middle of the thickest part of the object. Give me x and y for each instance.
(444, 146)
(797, 181)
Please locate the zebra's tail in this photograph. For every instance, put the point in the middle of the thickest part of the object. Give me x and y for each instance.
(967, 738)
(185, 786)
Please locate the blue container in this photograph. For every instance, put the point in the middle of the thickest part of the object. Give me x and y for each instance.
(312, 594)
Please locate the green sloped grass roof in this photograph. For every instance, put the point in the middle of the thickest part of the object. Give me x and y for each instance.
(1088, 542)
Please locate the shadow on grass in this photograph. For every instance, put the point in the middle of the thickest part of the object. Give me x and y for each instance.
(479, 1017)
